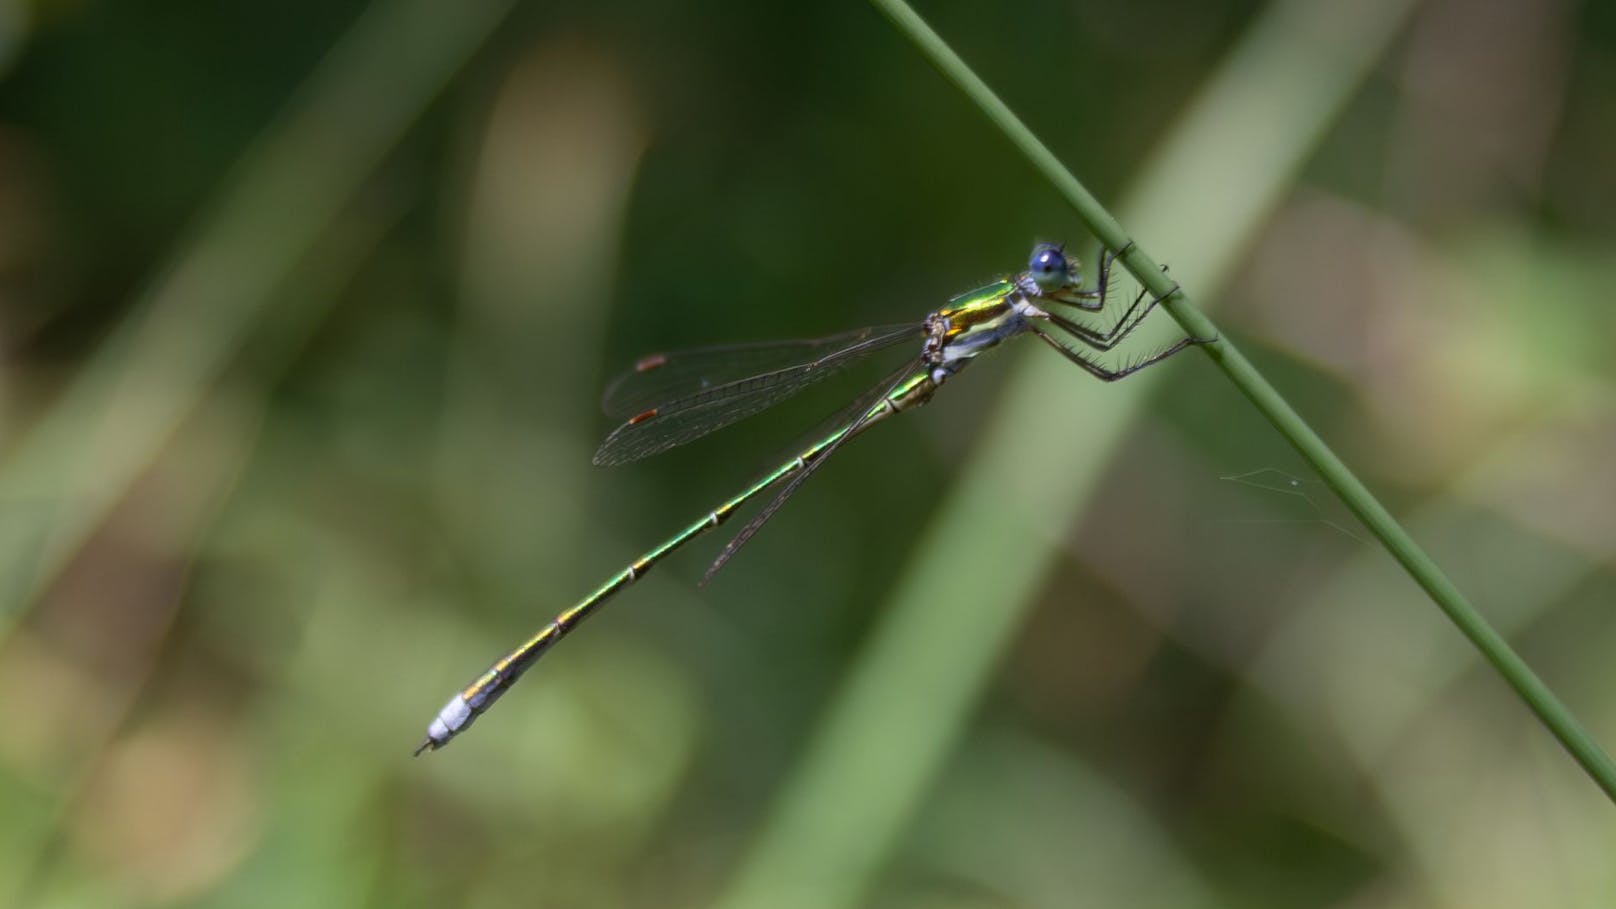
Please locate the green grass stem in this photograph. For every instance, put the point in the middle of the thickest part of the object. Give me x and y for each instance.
(905, 701)
(1550, 711)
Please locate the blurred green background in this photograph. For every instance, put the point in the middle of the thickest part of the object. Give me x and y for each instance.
(305, 308)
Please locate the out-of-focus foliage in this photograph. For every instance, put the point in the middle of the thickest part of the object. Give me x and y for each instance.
(305, 306)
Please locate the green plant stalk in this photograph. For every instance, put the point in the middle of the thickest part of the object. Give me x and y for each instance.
(1548, 708)
(904, 702)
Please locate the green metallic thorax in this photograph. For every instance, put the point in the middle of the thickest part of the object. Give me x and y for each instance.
(979, 309)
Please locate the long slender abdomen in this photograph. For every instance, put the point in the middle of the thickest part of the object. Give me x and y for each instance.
(470, 703)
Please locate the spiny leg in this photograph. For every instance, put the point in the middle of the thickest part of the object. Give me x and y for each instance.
(1109, 338)
(1105, 373)
(1131, 319)
(1105, 340)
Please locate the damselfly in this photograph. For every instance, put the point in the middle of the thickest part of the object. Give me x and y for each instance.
(670, 399)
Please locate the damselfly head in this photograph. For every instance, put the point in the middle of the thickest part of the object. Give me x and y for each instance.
(1050, 269)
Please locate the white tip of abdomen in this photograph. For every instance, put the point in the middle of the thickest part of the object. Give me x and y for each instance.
(454, 717)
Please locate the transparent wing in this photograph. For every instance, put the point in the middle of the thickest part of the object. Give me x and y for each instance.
(671, 399)
(853, 417)
(661, 378)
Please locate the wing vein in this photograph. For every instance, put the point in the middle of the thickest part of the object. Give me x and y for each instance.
(686, 404)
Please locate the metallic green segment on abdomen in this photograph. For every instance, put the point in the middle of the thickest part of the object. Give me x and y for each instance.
(479, 695)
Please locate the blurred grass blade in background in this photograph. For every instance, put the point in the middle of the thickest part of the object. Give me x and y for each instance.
(304, 312)
(554, 174)
(81, 455)
(899, 712)
(81, 458)
(170, 509)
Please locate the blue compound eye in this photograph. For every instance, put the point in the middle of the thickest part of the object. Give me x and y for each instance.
(1049, 268)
